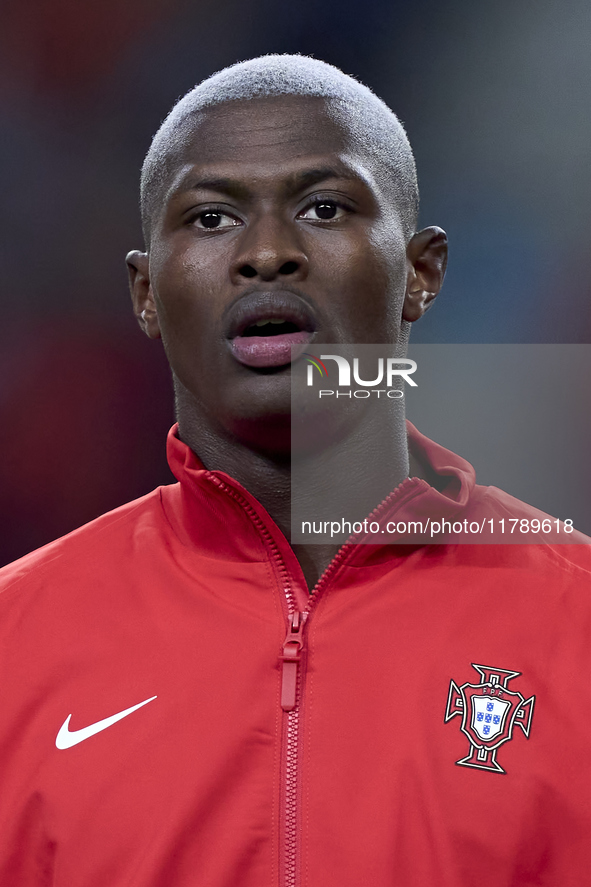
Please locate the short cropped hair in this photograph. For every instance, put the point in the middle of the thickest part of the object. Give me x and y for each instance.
(370, 121)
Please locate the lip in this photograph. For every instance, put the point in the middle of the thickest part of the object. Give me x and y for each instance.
(269, 351)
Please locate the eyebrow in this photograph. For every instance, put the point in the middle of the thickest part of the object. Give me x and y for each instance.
(232, 187)
(299, 181)
(293, 183)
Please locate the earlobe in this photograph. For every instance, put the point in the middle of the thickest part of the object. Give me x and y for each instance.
(426, 263)
(144, 306)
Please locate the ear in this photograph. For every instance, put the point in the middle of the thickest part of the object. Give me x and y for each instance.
(144, 307)
(426, 256)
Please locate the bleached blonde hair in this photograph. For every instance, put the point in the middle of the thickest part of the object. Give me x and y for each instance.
(377, 131)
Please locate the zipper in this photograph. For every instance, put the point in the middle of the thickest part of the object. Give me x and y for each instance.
(292, 680)
(290, 691)
(290, 854)
(292, 649)
(291, 699)
(291, 673)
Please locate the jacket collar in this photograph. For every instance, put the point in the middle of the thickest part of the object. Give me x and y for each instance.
(212, 511)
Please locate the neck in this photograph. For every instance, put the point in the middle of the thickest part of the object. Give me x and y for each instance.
(346, 480)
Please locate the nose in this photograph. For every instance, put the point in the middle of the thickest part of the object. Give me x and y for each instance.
(269, 248)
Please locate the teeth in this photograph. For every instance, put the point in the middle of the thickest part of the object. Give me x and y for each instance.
(265, 322)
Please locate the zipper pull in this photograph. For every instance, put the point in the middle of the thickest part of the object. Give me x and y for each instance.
(292, 648)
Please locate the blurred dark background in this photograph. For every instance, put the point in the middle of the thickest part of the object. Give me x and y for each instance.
(496, 101)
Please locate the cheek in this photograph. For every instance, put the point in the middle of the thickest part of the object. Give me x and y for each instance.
(374, 284)
(189, 313)
(387, 249)
(184, 290)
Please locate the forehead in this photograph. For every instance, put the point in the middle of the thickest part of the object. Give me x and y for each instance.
(265, 138)
(304, 121)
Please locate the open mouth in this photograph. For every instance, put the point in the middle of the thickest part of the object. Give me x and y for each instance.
(267, 327)
(271, 327)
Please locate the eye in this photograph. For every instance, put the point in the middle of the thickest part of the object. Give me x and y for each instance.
(323, 210)
(213, 219)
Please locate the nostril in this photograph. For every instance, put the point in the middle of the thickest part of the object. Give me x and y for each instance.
(288, 268)
(247, 271)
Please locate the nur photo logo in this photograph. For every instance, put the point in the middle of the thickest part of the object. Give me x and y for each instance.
(314, 362)
(387, 371)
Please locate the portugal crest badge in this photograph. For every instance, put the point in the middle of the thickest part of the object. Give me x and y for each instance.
(489, 712)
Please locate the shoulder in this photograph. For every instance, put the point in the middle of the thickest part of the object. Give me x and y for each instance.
(104, 543)
(534, 534)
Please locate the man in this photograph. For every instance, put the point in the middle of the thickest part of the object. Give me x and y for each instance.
(189, 700)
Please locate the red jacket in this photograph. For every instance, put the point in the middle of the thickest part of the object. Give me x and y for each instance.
(439, 732)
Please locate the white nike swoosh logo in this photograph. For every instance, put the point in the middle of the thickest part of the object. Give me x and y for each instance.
(66, 738)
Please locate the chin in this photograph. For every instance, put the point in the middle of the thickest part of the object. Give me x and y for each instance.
(256, 395)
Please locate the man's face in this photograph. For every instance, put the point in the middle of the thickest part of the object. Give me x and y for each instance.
(273, 232)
